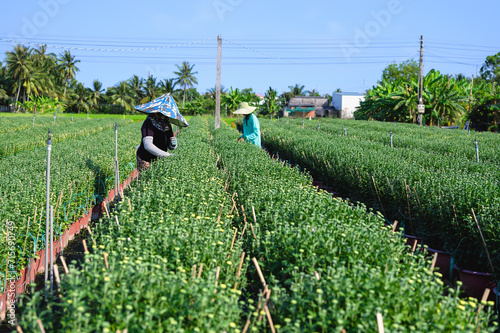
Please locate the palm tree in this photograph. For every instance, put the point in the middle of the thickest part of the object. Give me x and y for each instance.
(96, 93)
(121, 95)
(297, 90)
(81, 98)
(18, 67)
(167, 86)
(150, 90)
(185, 77)
(136, 84)
(67, 68)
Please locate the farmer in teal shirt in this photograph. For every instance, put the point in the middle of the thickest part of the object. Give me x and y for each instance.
(251, 126)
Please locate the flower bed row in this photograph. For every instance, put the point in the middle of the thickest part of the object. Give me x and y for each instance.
(25, 137)
(331, 266)
(82, 173)
(171, 254)
(432, 195)
(456, 143)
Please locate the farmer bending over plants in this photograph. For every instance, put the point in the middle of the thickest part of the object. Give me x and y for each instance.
(251, 126)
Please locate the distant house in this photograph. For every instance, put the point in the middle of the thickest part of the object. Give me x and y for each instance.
(345, 103)
(307, 106)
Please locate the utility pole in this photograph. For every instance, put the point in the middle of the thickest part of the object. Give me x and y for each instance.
(217, 83)
(421, 106)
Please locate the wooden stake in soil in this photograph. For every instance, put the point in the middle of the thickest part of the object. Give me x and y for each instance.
(415, 242)
(484, 242)
(378, 195)
(253, 213)
(217, 271)
(232, 243)
(220, 213)
(486, 294)
(434, 261)
(408, 202)
(394, 226)
(106, 208)
(129, 204)
(27, 230)
(259, 272)
(239, 269)
(40, 326)
(91, 236)
(66, 270)
(193, 273)
(380, 323)
(105, 255)
(200, 270)
(253, 232)
(117, 223)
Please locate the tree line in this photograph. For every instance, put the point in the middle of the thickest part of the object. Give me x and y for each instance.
(33, 80)
(448, 99)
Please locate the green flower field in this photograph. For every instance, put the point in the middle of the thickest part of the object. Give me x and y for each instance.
(221, 237)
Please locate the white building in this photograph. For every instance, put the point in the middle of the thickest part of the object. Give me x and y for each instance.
(345, 103)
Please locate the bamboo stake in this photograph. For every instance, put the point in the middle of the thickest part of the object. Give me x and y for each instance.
(416, 196)
(239, 269)
(232, 243)
(117, 223)
(269, 318)
(486, 294)
(106, 209)
(408, 202)
(253, 212)
(91, 236)
(415, 242)
(194, 271)
(434, 261)
(484, 242)
(253, 232)
(27, 230)
(66, 270)
(105, 255)
(394, 226)
(244, 229)
(19, 329)
(200, 270)
(38, 232)
(259, 272)
(85, 248)
(129, 204)
(58, 280)
(380, 323)
(316, 275)
(220, 213)
(217, 271)
(40, 326)
(378, 195)
(266, 294)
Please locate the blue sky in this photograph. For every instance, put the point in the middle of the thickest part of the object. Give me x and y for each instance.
(323, 45)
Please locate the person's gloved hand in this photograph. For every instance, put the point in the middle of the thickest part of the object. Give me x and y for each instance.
(173, 141)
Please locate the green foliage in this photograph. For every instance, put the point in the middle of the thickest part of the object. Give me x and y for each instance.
(429, 179)
(406, 71)
(445, 100)
(82, 173)
(490, 70)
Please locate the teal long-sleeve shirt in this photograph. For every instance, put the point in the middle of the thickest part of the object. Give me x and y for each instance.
(251, 130)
